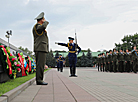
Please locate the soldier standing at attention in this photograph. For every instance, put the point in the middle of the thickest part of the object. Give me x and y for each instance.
(114, 60)
(61, 63)
(121, 60)
(110, 61)
(40, 47)
(127, 61)
(103, 61)
(135, 59)
(72, 55)
(106, 62)
(98, 61)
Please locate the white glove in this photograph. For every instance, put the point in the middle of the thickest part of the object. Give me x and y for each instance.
(56, 43)
(77, 53)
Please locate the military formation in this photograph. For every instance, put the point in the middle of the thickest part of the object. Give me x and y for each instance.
(118, 61)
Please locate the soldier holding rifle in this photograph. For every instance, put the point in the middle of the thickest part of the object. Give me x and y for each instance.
(72, 55)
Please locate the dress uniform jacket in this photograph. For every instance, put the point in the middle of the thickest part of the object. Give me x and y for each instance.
(40, 37)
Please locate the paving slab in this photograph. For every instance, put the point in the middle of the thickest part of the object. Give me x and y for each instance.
(89, 86)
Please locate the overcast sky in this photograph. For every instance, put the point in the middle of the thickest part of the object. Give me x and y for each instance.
(98, 23)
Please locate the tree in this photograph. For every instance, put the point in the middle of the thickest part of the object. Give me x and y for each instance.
(50, 59)
(26, 50)
(128, 42)
(78, 64)
(83, 60)
(89, 62)
(57, 55)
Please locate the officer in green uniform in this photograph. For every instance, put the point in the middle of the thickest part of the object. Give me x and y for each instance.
(135, 59)
(106, 62)
(114, 60)
(40, 47)
(103, 62)
(127, 61)
(98, 61)
(121, 60)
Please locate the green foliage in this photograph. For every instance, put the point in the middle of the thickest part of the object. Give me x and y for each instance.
(84, 50)
(89, 62)
(67, 61)
(50, 59)
(57, 54)
(26, 50)
(83, 60)
(128, 42)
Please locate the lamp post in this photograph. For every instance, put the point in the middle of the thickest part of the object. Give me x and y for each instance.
(8, 35)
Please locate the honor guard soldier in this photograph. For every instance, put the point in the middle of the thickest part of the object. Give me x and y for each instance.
(40, 47)
(72, 55)
(61, 59)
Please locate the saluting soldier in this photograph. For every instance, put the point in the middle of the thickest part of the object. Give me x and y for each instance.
(72, 55)
(114, 60)
(121, 60)
(135, 59)
(40, 47)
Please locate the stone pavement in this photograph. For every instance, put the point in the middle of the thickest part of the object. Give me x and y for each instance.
(89, 86)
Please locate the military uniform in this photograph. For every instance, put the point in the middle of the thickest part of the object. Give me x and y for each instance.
(127, 61)
(110, 62)
(121, 61)
(61, 63)
(106, 63)
(98, 62)
(40, 47)
(114, 61)
(135, 61)
(72, 55)
(103, 63)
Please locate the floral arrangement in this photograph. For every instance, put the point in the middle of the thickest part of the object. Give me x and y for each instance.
(13, 65)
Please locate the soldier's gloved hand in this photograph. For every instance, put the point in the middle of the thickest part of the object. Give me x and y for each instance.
(77, 53)
(56, 43)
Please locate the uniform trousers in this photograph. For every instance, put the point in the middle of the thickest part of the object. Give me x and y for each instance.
(40, 63)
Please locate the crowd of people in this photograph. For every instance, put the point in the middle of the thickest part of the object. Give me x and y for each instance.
(118, 60)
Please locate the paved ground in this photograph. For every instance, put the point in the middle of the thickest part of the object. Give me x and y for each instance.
(90, 86)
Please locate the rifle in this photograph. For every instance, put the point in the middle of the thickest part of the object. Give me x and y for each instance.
(75, 41)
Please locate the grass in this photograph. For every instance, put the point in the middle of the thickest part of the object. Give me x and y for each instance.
(13, 83)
